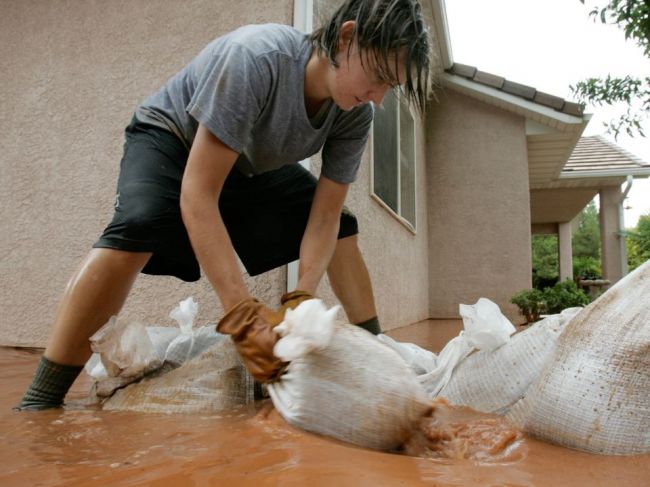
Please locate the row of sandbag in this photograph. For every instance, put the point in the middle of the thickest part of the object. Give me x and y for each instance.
(579, 381)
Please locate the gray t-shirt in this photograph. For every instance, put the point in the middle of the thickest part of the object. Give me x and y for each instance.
(247, 88)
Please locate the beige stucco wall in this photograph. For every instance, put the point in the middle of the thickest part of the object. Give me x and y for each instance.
(478, 201)
(72, 72)
(397, 259)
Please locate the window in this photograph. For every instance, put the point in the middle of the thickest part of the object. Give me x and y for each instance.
(393, 161)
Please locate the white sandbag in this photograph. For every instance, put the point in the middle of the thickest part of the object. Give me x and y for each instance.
(419, 360)
(593, 394)
(485, 328)
(353, 388)
(491, 381)
(214, 381)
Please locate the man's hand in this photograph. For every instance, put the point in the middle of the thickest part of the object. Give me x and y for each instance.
(251, 324)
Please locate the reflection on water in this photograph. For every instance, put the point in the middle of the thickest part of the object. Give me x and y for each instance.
(246, 446)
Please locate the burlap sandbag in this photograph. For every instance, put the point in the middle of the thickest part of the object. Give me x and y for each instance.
(594, 393)
(214, 381)
(355, 389)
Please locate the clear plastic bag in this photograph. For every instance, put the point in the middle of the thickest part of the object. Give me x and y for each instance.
(123, 350)
(124, 353)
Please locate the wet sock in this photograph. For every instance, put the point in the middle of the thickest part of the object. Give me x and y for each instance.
(49, 386)
(371, 325)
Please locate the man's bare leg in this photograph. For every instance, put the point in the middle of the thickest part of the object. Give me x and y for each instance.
(96, 291)
(350, 281)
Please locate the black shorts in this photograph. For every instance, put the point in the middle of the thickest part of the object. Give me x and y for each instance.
(265, 215)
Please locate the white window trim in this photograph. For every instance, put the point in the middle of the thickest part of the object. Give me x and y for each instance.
(303, 19)
(373, 195)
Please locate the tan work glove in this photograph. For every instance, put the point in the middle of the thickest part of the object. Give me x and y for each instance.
(250, 324)
(292, 300)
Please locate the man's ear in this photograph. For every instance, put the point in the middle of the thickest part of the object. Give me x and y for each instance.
(346, 34)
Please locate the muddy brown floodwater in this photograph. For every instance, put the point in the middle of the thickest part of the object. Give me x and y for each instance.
(253, 446)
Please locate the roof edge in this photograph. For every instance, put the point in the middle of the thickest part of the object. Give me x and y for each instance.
(586, 174)
(514, 101)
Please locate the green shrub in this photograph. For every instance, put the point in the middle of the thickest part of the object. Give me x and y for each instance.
(552, 300)
(531, 303)
(587, 268)
(564, 295)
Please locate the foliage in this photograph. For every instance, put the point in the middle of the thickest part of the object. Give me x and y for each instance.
(530, 302)
(545, 260)
(552, 300)
(633, 16)
(564, 295)
(586, 240)
(638, 243)
(585, 247)
(587, 268)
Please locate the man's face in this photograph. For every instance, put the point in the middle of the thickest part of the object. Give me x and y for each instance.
(358, 80)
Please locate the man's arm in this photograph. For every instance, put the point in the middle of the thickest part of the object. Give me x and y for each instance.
(319, 240)
(208, 165)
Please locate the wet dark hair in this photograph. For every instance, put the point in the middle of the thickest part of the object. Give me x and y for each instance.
(384, 28)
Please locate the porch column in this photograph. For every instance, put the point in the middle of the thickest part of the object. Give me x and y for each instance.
(612, 244)
(565, 250)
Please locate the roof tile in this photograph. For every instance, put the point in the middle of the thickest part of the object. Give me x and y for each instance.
(549, 100)
(597, 153)
(489, 79)
(527, 92)
(463, 70)
(571, 108)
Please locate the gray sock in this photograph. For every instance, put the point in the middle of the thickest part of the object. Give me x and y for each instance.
(49, 386)
(371, 325)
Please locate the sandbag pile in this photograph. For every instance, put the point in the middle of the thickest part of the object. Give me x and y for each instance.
(593, 393)
(214, 381)
(167, 369)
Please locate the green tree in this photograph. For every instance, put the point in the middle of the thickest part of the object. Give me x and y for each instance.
(638, 243)
(586, 244)
(586, 240)
(633, 16)
(545, 260)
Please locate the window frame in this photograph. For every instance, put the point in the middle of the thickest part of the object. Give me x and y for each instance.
(412, 227)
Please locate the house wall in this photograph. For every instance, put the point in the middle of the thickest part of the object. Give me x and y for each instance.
(397, 259)
(72, 73)
(478, 205)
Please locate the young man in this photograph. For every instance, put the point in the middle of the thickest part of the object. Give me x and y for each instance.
(210, 171)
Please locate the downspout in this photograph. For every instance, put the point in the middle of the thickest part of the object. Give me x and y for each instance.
(303, 19)
(621, 223)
